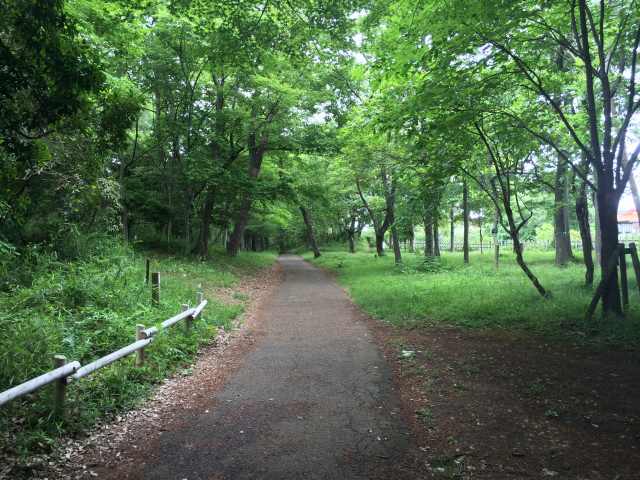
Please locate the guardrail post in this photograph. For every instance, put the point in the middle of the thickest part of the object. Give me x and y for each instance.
(60, 387)
(189, 320)
(155, 288)
(140, 335)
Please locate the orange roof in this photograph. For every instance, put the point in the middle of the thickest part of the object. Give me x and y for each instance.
(630, 216)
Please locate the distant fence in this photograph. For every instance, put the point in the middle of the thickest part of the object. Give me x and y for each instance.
(64, 371)
(489, 246)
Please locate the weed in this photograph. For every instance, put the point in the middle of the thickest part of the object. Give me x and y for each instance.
(87, 308)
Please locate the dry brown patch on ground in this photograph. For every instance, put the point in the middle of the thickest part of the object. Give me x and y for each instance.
(499, 406)
(117, 442)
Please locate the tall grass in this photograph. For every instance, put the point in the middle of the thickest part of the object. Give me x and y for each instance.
(88, 308)
(447, 292)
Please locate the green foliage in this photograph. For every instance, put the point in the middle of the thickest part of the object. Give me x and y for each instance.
(89, 308)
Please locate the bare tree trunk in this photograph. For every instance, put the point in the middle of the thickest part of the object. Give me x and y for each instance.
(451, 229)
(396, 245)
(310, 235)
(465, 214)
(525, 268)
(256, 153)
(352, 246)
(608, 216)
(240, 223)
(582, 214)
(562, 237)
(598, 239)
(436, 237)
(412, 247)
(380, 244)
(428, 236)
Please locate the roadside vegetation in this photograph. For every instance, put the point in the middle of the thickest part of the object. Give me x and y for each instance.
(87, 308)
(445, 291)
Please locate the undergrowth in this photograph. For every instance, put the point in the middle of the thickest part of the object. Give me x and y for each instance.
(88, 308)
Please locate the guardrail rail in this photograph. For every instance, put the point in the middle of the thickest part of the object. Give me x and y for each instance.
(65, 372)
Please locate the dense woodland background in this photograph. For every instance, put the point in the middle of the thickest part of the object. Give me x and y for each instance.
(202, 129)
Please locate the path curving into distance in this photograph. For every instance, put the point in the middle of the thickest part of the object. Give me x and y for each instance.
(313, 400)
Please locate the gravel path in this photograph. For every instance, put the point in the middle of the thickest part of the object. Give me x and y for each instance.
(314, 400)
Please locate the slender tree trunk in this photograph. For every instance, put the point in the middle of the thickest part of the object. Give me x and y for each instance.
(310, 235)
(352, 244)
(436, 237)
(396, 245)
(525, 268)
(412, 247)
(598, 234)
(562, 237)
(582, 214)
(465, 214)
(451, 230)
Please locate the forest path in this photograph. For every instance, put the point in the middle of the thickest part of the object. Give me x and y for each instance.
(314, 399)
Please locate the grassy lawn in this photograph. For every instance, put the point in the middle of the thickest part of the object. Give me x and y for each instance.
(446, 292)
(87, 309)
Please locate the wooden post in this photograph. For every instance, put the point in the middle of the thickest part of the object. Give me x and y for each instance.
(60, 387)
(140, 335)
(497, 254)
(155, 288)
(624, 285)
(189, 320)
(199, 298)
(635, 261)
(147, 269)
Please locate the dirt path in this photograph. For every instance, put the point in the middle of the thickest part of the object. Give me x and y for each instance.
(313, 399)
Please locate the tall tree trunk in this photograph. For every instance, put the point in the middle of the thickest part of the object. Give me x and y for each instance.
(256, 154)
(451, 229)
(465, 214)
(428, 235)
(240, 223)
(310, 235)
(396, 244)
(562, 237)
(436, 237)
(582, 214)
(380, 243)
(598, 236)
(608, 201)
(412, 247)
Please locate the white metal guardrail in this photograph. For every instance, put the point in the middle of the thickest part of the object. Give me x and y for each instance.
(65, 372)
